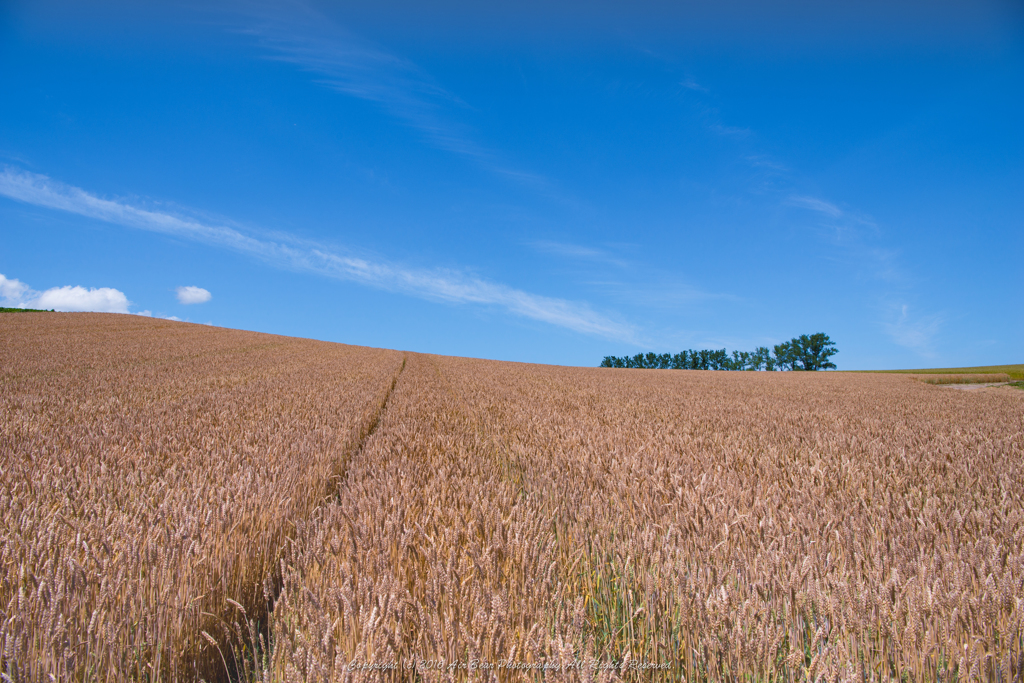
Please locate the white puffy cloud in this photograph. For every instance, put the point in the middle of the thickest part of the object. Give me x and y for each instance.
(69, 298)
(193, 295)
(13, 291)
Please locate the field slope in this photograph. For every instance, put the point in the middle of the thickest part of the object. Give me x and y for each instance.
(182, 501)
(1014, 371)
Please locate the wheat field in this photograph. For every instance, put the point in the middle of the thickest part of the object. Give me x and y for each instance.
(989, 378)
(183, 502)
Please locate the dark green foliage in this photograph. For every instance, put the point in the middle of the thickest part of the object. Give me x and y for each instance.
(785, 356)
(806, 352)
(4, 309)
(762, 359)
(813, 352)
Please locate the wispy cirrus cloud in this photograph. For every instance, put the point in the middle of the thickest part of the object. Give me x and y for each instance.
(765, 161)
(852, 237)
(856, 240)
(350, 65)
(663, 292)
(814, 204)
(578, 252)
(690, 84)
(286, 251)
(630, 283)
(914, 332)
(346, 63)
(729, 131)
(847, 225)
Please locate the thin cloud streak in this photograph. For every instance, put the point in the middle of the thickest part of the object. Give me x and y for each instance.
(914, 333)
(353, 66)
(578, 252)
(289, 252)
(636, 287)
(730, 131)
(814, 204)
(854, 236)
(691, 84)
(663, 294)
(40, 190)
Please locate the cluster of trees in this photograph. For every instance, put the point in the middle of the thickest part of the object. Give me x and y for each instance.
(806, 352)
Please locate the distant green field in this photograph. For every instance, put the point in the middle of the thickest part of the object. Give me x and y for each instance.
(5, 309)
(1014, 371)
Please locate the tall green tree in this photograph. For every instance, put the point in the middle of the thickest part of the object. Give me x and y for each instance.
(813, 351)
(762, 359)
(785, 356)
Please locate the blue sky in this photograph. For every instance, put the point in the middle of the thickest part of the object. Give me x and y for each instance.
(540, 182)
